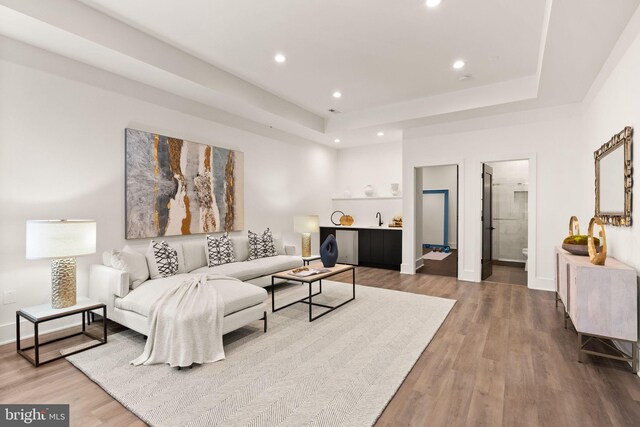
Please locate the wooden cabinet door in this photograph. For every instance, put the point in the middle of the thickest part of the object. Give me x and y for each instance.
(364, 246)
(377, 246)
(392, 247)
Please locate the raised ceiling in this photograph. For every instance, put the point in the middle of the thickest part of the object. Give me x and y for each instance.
(392, 60)
(376, 52)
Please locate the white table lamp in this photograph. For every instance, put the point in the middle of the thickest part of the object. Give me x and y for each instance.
(306, 224)
(61, 241)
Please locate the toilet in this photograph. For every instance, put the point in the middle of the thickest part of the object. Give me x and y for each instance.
(525, 252)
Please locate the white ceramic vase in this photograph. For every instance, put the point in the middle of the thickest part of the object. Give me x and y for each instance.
(395, 189)
(368, 190)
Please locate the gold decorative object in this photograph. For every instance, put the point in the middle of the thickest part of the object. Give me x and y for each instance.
(305, 225)
(576, 243)
(623, 139)
(346, 220)
(306, 244)
(597, 257)
(574, 226)
(63, 282)
(396, 221)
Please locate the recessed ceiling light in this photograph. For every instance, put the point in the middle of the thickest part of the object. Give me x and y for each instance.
(336, 140)
(337, 94)
(433, 3)
(280, 58)
(380, 133)
(458, 64)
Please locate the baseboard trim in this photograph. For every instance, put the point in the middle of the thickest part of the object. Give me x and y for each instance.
(8, 330)
(543, 284)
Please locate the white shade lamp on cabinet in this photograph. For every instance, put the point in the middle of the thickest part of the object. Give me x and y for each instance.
(61, 241)
(306, 224)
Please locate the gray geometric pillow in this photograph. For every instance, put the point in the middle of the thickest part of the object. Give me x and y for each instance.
(166, 258)
(261, 246)
(220, 250)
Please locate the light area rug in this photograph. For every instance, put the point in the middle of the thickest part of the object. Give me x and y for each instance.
(340, 370)
(436, 256)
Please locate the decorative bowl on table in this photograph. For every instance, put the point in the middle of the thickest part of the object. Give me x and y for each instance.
(577, 245)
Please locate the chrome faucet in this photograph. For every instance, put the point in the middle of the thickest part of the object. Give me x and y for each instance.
(379, 216)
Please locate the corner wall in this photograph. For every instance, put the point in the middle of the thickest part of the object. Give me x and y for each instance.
(62, 156)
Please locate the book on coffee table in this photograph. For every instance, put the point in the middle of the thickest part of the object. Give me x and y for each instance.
(310, 272)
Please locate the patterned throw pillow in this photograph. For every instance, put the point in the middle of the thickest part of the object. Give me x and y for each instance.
(261, 246)
(166, 258)
(220, 251)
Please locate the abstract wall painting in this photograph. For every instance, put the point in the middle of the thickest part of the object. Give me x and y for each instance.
(176, 187)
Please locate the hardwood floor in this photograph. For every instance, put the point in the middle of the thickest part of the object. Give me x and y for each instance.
(508, 274)
(502, 358)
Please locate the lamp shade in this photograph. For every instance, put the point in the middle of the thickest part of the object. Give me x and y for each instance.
(306, 223)
(60, 238)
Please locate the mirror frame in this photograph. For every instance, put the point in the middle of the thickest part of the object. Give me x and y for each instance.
(625, 139)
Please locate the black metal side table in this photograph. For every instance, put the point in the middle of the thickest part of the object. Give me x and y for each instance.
(43, 313)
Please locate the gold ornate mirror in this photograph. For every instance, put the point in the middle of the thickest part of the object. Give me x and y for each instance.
(614, 179)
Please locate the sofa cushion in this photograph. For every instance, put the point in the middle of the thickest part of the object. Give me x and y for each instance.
(140, 299)
(278, 242)
(261, 246)
(239, 270)
(219, 250)
(195, 254)
(240, 247)
(236, 295)
(129, 260)
(275, 264)
(239, 295)
(164, 260)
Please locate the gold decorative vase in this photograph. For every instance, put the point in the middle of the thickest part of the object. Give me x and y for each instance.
(574, 226)
(63, 282)
(306, 244)
(597, 257)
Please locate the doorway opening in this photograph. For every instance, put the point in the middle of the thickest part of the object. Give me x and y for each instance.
(439, 221)
(505, 221)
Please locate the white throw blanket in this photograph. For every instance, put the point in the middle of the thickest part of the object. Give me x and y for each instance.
(185, 325)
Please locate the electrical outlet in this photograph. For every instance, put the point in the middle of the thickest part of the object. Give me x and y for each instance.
(9, 297)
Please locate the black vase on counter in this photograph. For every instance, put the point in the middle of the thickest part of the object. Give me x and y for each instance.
(329, 251)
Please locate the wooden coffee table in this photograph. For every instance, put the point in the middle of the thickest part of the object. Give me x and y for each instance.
(337, 269)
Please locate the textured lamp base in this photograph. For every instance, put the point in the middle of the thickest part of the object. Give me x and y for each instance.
(306, 244)
(63, 282)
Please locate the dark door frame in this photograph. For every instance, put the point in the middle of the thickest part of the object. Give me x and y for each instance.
(487, 223)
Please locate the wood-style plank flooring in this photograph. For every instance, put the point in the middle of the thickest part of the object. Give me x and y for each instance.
(502, 358)
(508, 274)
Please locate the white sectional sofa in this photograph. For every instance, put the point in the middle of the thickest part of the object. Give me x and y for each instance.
(243, 302)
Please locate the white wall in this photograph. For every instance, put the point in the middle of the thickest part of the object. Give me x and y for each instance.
(62, 156)
(545, 137)
(611, 107)
(439, 178)
(510, 209)
(377, 165)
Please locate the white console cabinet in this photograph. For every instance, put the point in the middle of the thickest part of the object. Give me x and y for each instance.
(601, 301)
